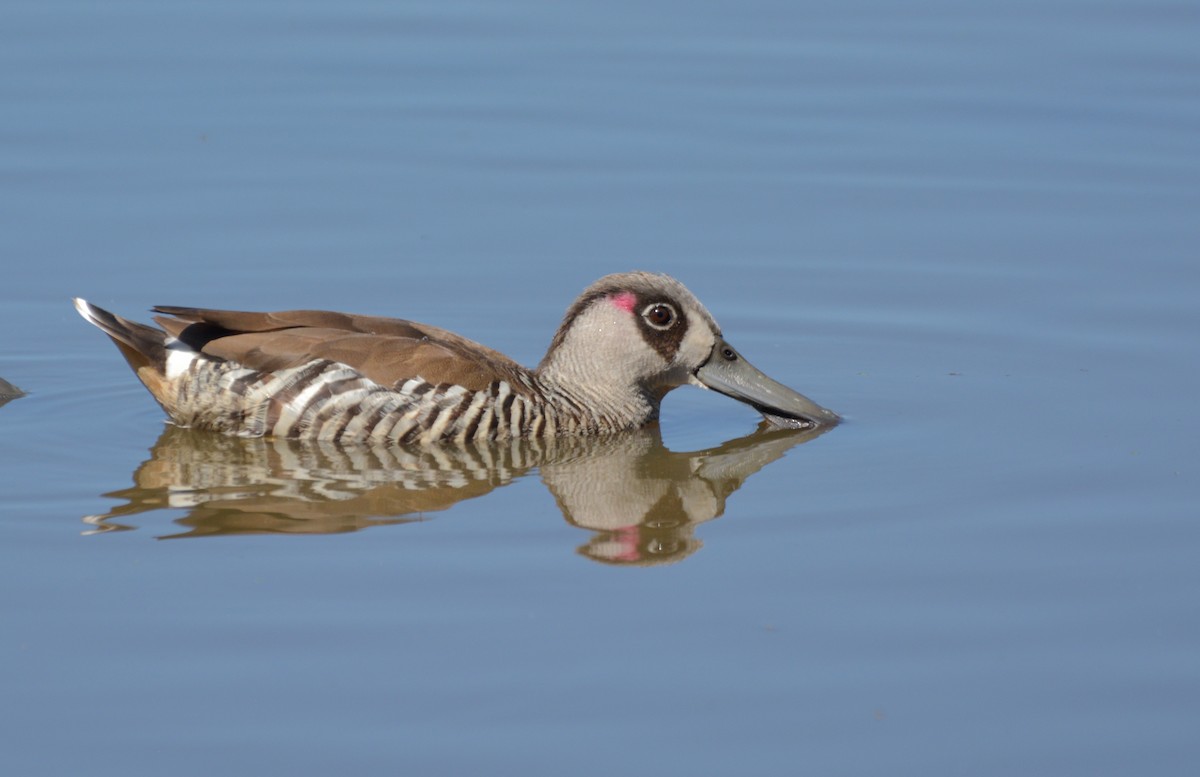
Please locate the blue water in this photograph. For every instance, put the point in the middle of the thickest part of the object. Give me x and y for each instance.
(969, 228)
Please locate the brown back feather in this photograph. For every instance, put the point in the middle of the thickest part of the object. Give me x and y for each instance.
(389, 351)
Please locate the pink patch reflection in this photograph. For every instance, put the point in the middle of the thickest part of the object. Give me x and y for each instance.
(628, 538)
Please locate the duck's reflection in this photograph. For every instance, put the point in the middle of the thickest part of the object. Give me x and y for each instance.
(639, 499)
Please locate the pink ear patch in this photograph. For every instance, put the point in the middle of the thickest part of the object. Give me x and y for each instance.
(625, 300)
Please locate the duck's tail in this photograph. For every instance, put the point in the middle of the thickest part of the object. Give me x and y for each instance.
(144, 347)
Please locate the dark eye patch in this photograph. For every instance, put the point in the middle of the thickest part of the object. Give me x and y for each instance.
(662, 327)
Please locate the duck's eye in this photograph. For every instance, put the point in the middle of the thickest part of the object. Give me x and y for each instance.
(659, 315)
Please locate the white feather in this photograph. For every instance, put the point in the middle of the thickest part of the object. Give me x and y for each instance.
(179, 358)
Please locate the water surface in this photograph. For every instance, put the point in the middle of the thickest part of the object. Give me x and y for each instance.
(968, 228)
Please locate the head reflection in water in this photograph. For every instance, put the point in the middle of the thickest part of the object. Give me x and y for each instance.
(639, 499)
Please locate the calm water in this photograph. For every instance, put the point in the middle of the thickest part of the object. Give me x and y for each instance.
(970, 228)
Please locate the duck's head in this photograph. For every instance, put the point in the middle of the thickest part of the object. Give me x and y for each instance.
(645, 333)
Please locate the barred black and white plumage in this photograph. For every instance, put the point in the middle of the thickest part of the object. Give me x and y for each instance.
(627, 341)
(326, 400)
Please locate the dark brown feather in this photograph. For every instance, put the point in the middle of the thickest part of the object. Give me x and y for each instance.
(389, 351)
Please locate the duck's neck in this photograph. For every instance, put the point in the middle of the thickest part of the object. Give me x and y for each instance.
(583, 402)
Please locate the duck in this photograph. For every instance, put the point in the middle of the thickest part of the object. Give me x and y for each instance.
(623, 344)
